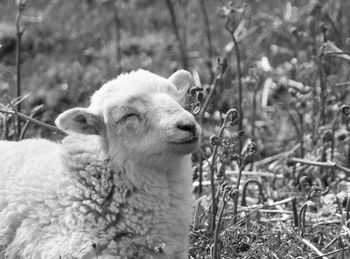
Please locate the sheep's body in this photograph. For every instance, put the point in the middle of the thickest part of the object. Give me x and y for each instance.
(78, 200)
(90, 204)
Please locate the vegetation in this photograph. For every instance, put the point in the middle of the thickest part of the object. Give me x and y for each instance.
(272, 92)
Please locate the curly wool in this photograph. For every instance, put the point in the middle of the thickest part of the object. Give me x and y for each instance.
(118, 217)
(119, 186)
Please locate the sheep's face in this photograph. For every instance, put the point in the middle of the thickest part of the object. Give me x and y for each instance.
(140, 114)
(151, 123)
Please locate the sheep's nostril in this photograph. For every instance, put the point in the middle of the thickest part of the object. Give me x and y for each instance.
(191, 127)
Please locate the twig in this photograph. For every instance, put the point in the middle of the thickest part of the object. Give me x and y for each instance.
(295, 212)
(208, 35)
(275, 211)
(34, 112)
(45, 125)
(314, 248)
(314, 111)
(217, 228)
(321, 164)
(240, 96)
(330, 243)
(212, 183)
(342, 83)
(19, 33)
(330, 253)
(301, 137)
(277, 156)
(337, 53)
(254, 173)
(117, 31)
(254, 105)
(220, 72)
(176, 31)
(323, 85)
(235, 203)
(16, 134)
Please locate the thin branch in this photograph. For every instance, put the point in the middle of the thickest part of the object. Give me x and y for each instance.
(208, 36)
(201, 118)
(235, 201)
(117, 31)
(321, 164)
(19, 33)
(16, 134)
(331, 253)
(212, 182)
(343, 83)
(42, 124)
(207, 100)
(277, 156)
(240, 96)
(323, 86)
(34, 112)
(176, 31)
(217, 230)
(314, 248)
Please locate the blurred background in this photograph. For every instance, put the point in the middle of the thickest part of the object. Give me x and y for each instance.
(70, 48)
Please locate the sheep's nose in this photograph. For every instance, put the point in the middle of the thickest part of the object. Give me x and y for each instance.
(187, 126)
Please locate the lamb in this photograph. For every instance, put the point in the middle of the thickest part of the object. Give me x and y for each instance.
(118, 186)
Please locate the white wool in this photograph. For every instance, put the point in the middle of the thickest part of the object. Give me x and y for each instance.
(125, 193)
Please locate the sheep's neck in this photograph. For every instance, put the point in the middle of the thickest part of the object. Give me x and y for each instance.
(160, 200)
(119, 199)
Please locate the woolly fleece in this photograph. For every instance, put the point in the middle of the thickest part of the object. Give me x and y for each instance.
(98, 194)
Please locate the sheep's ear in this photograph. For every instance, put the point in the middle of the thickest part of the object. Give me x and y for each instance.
(80, 120)
(183, 81)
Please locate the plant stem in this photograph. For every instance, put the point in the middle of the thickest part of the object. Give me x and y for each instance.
(314, 111)
(321, 164)
(348, 162)
(200, 172)
(208, 36)
(176, 31)
(117, 31)
(330, 253)
(208, 98)
(19, 34)
(201, 119)
(295, 212)
(323, 92)
(245, 187)
(212, 183)
(235, 202)
(45, 125)
(301, 137)
(254, 109)
(240, 96)
(315, 249)
(217, 228)
(348, 207)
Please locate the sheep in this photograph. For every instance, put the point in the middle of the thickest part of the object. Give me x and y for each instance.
(119, 184)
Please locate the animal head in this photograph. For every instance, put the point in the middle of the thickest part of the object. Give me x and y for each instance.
(139, 114)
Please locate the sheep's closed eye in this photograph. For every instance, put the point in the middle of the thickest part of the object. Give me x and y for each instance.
(129, 116)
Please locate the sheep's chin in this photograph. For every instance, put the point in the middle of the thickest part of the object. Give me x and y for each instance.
(184, 147)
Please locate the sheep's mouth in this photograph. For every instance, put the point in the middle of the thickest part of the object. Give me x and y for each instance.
(189, 141)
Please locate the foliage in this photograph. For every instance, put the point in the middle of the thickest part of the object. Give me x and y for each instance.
(283, 66)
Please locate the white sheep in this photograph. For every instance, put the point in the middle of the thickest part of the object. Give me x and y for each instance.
(119, 186)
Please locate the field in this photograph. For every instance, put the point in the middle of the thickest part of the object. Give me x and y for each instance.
(271, 91)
